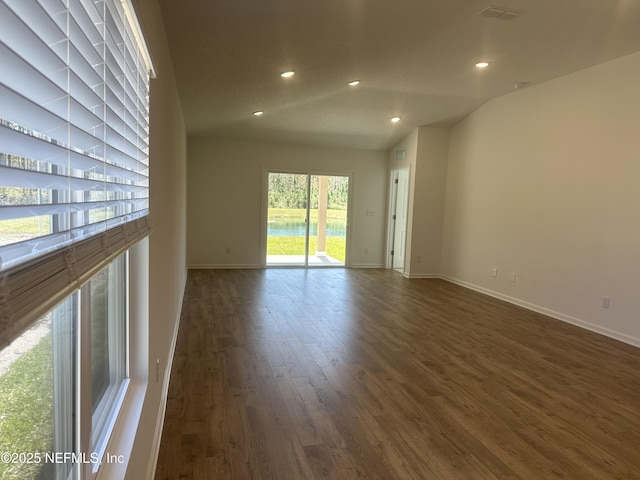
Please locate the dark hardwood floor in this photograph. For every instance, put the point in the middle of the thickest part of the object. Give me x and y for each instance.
(363, 374)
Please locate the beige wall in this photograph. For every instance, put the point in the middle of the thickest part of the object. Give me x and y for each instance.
(430, 173)
(225, 198)
(544, 183)
(167, 243)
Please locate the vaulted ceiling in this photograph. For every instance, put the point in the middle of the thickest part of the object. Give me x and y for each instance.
(414, 58)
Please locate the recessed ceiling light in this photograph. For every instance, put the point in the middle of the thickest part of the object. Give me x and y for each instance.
(287, 74)
(482, 64)
(258, 113)
(354, 83)
(395, 119)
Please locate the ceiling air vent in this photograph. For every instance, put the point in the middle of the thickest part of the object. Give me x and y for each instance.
(501, 13)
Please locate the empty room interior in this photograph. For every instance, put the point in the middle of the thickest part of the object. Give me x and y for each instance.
(460, 295)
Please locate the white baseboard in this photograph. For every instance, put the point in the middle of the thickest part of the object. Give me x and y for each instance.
(366, 265)
(548, 312)
(157, 437)
(421, 275)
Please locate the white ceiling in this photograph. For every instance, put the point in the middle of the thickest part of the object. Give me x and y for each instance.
(415, 59)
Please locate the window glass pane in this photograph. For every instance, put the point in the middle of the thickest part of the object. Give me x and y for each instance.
(20, 219)
(99, 335)
(108, 342)
(37, 397)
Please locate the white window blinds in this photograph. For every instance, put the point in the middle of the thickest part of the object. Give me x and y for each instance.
(74, 140)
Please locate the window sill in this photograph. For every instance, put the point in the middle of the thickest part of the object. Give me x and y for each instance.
(119, 448)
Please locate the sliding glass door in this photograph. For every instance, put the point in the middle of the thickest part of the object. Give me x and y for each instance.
(307, 219)
(287, 237)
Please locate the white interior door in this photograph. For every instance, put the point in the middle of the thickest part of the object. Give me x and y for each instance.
(400, 218)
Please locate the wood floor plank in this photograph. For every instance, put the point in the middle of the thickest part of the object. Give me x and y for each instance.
(363, 374)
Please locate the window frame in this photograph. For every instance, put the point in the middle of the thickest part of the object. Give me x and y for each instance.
(101, 419)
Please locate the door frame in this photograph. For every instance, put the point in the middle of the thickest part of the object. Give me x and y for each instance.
(264, 217)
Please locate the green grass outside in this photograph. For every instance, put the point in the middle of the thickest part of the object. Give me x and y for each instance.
(26, 410)
(18, 229)
(28, 225)
(279, 245)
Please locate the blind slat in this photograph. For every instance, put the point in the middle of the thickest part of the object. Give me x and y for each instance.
(26, 26)
(41, 150)
(42, 88)
(24, 211)
(24, 111)
(16, 178)
(79, 162)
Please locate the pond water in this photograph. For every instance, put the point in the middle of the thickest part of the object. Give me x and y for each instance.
(284, 228)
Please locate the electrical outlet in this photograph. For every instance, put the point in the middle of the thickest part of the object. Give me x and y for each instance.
(513, 277)
(605, 302)
(494, 272)
(366, 251)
